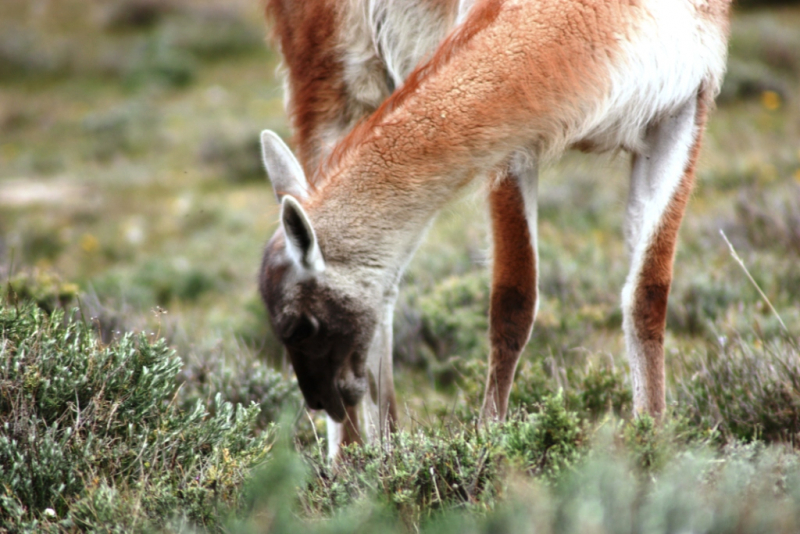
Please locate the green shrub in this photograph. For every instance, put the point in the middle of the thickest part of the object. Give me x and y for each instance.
(547, 441)
(91, 435)
(763, 3)
(157, 60)
(771, 219)
(651, 445)
(254, 329)
(23, 55)
(742, 488)
(532, 384)
(172, 52)
(120, 130)
(213, 33)
(162, 282)
(455, 317)
(697, 305)
(763, 56)
(414, 473)
(443, 329)
(592, 390)
(239, 379)
(44, 288)
(601, 389)
(748, 390)
(136, 14)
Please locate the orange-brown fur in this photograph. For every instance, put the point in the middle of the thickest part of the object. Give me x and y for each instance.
(513, 296)
(419, 136)
(307, 32)
(482, 18)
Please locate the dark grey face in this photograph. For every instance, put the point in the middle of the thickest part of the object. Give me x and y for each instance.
(326, 332)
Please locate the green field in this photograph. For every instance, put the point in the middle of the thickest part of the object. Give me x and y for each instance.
(133, 214)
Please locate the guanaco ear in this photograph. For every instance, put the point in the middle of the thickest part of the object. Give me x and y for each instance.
(301, 241)
(284, 170)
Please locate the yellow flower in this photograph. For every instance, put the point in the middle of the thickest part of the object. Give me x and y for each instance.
(797, 175)
(71, 289)
(89, 243)
(770, 100)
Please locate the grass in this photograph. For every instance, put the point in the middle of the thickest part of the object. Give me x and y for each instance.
(131, 190)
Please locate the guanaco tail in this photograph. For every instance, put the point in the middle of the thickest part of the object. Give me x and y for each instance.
(397, 106)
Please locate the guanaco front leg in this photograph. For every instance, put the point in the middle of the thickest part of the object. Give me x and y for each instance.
(379, 408)
(661, 181)
(376, 414)
(514, 295)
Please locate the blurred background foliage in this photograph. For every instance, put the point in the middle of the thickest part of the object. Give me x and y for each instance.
(131, 189)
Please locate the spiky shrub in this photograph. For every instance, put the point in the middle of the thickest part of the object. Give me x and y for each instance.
(547, 441)
(443, 323)
(413, 473)
(748, 389)
(240, 379)
(90, 435)
(455, 465)
(591, 390)
(741, 488)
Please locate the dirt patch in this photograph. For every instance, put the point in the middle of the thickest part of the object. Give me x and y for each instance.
(21, 193)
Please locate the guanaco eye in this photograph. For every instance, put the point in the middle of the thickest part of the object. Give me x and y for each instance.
(303, 328)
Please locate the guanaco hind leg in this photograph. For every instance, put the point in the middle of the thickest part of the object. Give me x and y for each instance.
(514, 295)
(661, 180)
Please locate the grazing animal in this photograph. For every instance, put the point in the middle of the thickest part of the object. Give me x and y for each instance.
(513, 83)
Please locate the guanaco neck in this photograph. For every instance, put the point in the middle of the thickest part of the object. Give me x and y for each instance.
(484, 95)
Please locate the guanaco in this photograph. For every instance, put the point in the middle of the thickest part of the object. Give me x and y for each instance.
(398, 106)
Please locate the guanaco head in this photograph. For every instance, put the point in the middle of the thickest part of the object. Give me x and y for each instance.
(324, 319)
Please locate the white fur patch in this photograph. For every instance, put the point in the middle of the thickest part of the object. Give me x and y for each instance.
(655, 178)
(389, 38)
(334, 433)
(674, 52)
(526, 169)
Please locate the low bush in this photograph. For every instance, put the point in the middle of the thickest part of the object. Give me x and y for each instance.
(741, 488)
(41, 287)
(770, 220)
(696, 305)
(592, 390)
(764, 3)
(547, 441)
(764, 55)
(454, 317)
(239, 379)
(457, 465)
(123, 130)
(136, 14)
(91, 434)
(746, 389)
(23, 55)
(160, 282)
(413, 473)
